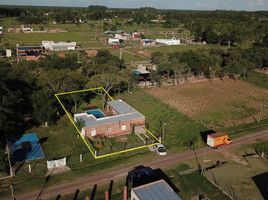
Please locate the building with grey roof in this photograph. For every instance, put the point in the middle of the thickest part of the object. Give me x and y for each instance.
(119, 118)
(157, 190)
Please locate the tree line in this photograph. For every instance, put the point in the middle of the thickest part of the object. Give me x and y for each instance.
(27, 88)
(222, 27)
(212, 63)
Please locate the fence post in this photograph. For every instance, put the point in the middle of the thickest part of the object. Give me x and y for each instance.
(30, 168)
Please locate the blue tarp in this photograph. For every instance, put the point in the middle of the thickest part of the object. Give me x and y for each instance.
(26, 148)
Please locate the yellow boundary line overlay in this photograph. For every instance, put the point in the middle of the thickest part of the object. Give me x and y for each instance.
(71, 119)
(87, 145)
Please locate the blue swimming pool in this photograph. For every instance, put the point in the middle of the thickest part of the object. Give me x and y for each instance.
(96, 112)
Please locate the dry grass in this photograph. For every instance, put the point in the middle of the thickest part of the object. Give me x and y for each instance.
(220, 104)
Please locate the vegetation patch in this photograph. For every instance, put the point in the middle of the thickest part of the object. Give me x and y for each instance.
(218, 104)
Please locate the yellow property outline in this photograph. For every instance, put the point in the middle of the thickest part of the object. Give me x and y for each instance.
(81, 136)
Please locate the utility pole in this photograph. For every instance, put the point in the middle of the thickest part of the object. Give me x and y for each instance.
(12, 192)
(263, 105)
(121, 54)
(8, 156)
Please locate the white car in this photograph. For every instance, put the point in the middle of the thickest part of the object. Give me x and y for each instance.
(160, 149)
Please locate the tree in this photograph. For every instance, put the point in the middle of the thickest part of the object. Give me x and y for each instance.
(106, 80)
(155, 77)
(15, 102)
(3, 161)
(80, 123)
(44, 106)
(178, 69)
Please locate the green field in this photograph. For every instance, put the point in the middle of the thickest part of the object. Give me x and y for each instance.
(90, 35)
(258, 79)
(179, 129)
(235, 176)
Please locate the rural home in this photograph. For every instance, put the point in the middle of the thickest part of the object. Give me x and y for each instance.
(123, 36)
(147, 42)
(29, 52)
(91, 53)
(108, 32)
(26, 29)
(113, 41)
(119, 119)
(157, 190)
(58, 46)
(136, 35)
(169, 42)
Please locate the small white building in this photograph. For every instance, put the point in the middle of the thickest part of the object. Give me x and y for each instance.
(113, 41)
(169, 42)
(26, 29)
(58, 46)
(1, 30)
(8, 53)
(122, 36)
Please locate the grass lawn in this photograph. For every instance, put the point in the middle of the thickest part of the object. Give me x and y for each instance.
(235, 176)
(189, 185)
(258, 79)
(179, 128)
(180, 48)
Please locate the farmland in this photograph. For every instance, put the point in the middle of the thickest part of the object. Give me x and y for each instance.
(219, 104)
(90, 36)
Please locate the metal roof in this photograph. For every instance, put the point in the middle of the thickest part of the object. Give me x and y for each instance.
(125, 113)
(29, 48)
(158, 190)
(121, 107)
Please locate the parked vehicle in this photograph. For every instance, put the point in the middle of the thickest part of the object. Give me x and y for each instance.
(218, 139)
(160, 149)
(140, 175)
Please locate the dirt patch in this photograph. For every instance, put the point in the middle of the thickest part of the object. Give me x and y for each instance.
(220, 104)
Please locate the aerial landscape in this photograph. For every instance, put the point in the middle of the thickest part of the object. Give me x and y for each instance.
(133, 100)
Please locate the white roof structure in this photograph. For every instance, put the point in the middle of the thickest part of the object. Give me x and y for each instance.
(157, 190)
(172, 41)
(51, 45)
(113, 41)
(125, 113)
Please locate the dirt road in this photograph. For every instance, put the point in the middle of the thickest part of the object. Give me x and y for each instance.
(120, 172)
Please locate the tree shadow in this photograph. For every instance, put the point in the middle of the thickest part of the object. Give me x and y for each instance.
(43, 140)
(111, 189)
(93, 193)
(76, 194)
(18, 168)
(261, 182)
(46, 182)
(141, 175)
